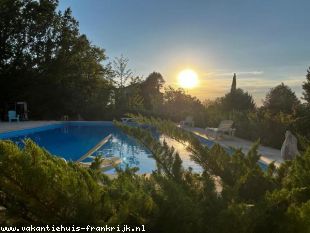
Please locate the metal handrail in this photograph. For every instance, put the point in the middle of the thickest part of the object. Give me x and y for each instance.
(95, 148)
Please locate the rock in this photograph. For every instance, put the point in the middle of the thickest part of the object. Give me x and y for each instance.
(289, 148)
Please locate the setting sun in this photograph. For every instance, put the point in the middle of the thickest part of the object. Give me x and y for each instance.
(188, 78)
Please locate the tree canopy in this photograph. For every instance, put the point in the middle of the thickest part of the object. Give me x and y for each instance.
(46, 61)
(237, 99)
(176, 100)
(281, 99)
(152, 91)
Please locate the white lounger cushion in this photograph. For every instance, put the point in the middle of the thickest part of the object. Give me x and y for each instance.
(224, 127)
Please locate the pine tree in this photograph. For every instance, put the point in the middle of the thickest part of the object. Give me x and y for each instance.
(234, 84)
(306, 87)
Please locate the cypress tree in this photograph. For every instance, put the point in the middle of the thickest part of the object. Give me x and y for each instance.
(234, 84)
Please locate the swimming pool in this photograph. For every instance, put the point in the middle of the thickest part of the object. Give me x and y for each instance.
(72, 140)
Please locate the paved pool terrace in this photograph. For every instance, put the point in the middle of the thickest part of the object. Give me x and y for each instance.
(13, 126)
(268, 154)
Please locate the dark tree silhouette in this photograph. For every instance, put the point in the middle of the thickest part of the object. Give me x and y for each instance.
(238, 100)
(151, 90)
(306, 87)
(45, 61)
(281, 99)
(234, 83)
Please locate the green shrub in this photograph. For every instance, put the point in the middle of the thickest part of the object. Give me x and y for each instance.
(232, 194)
(269, 128)
(40, 188)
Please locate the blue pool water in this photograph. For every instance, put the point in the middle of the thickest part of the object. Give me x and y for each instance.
(73, 139)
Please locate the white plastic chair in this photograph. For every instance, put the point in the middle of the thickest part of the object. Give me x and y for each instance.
(12, 116)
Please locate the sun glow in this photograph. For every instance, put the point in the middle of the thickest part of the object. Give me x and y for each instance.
(188, 78)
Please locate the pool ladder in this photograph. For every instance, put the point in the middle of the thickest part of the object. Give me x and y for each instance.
(95, 148)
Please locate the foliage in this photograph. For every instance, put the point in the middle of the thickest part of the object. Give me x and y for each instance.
(121, 72)
(232, 194)
(281, 111)
(258, 125)
(177, 101)
(281, 99)
(127, 92)
(306, 87)
(40, 188)
(238, 100)
(46, 61)
(301, 122)
(214, 113)
(251, 200)
(151, 91)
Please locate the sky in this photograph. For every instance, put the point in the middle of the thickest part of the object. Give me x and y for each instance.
(265, 42)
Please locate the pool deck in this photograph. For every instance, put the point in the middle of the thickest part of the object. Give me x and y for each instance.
(13, 126)
(268, 154)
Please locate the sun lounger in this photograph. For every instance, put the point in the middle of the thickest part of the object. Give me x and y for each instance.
(188, 122)
(224, 127)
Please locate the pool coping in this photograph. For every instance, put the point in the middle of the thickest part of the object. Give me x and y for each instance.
(49, 125)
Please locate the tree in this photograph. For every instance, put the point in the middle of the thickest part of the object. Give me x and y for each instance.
(281, 99)
(238, 100)
(178, 105)
(127, 93)
(45, 61)
(151, 91)
(121, 72)
(133, 95)
(306, 87)
(234, 83)
(28, 41)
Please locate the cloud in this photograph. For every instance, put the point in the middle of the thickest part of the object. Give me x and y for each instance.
(242, 73)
